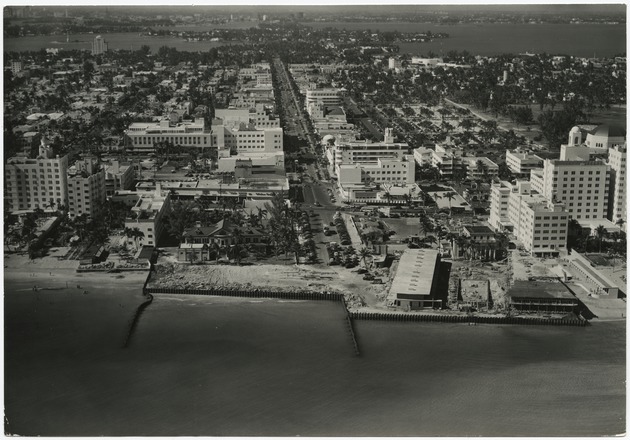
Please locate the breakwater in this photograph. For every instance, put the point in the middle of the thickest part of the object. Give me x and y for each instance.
(517, 320)
(136, 317)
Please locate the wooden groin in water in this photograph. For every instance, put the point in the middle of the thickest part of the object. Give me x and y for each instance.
(516, 320)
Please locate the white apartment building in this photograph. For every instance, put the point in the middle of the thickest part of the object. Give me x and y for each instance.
(582, 186)
(326, 96)
(245, 138)
(144, 135)
(258, 115)
(447, 160)
(618, 183)
(394, 171)
(522, 163)
(147, 215)
(118, 177)
(540, 226)
(35, 183)
(364, 152)
(86, 188)
(478, 168)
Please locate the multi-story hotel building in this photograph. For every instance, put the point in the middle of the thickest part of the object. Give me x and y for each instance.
(618, 183)
(35, 183)
(144, 135)
(538, 224)
(118, 177)
(147, 215)
(582, 186)
(86, 188)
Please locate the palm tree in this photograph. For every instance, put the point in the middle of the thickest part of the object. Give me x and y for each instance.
(364, 253)
(601, 232)
(216, 247)
(620, 222)
(192, 257)
(237, 236)
(449, 196)
(388, 196)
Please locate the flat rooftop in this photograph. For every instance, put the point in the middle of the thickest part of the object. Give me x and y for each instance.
(415, 272)
(540, 289)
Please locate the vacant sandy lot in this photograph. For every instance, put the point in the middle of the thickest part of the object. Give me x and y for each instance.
(358, 292)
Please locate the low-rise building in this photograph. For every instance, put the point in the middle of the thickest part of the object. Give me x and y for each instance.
(202, 241)
(143, 136)
(546, 296)
(415, 284)
(522, 163)
(479, 168)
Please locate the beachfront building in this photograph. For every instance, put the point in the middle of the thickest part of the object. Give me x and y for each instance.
(415, 284)
(521, 163)
(143, 136)
(245, 138)
(548, 296)
(618, 183)
(147, 216)
(202, 241)
(582, 186)
(36, 183)
(538, 224)
(86, 188)
(118, 177)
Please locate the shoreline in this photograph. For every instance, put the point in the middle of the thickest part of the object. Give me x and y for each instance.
(51, 276)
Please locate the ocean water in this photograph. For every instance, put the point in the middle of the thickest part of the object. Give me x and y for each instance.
(240, 367)
(585, 40)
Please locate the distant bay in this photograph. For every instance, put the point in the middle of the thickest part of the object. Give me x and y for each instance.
(121, 40)
(583, 40)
